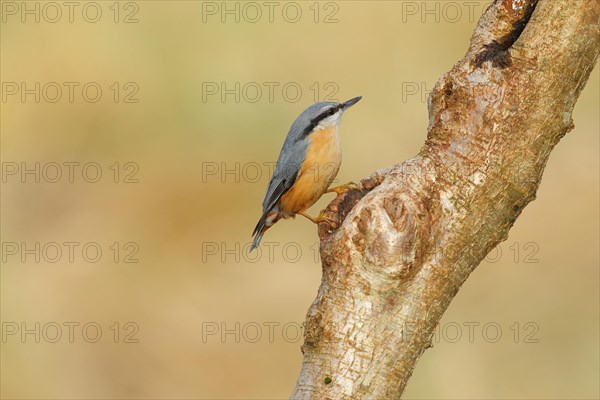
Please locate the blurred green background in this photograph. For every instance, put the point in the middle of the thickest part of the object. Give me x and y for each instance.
(196, 99)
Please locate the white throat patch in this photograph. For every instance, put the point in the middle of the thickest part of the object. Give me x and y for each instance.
(330, 121)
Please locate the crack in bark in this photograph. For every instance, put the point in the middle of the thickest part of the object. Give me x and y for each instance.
(497, 50)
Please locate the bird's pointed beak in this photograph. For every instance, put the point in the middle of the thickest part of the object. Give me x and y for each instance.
(349, 103)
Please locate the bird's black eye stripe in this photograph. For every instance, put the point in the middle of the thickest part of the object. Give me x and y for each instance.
(315, 121)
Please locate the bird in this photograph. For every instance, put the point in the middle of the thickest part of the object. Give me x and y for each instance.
(307, 165)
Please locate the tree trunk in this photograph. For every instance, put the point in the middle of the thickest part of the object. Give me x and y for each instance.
(407, 241)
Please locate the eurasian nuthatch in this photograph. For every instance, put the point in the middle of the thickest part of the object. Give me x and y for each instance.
(308, 162)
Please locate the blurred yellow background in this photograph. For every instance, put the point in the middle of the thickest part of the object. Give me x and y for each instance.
(182, 108)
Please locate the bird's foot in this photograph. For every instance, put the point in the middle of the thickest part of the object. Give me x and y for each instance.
(321, 218)
(344, 188)
(324, 217)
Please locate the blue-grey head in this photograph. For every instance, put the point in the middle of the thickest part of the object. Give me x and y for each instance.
(320, 115)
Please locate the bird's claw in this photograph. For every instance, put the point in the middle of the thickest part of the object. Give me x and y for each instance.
(344, 188)
(323, 217)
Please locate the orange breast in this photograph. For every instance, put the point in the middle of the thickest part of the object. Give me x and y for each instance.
(322, 163)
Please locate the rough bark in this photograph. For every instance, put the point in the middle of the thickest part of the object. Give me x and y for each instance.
(404, 245)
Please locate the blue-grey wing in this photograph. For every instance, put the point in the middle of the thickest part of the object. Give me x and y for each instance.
(288, 166)
(286, 171)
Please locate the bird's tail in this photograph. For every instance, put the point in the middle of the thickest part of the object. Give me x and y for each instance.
(257, 240)
(265, 222)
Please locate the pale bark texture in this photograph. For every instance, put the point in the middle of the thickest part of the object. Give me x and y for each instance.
(407, 241)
